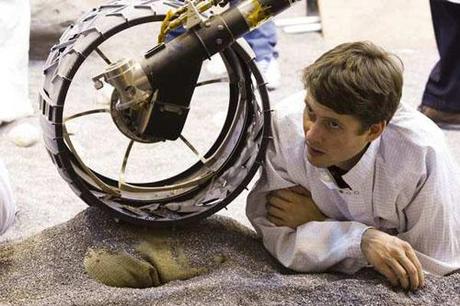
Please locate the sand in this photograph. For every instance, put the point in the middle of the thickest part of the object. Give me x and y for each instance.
(47, 269)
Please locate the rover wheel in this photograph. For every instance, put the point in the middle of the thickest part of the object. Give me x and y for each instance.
(159, 182)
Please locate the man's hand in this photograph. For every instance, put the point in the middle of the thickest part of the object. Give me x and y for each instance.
(292, 207)
(394, 258)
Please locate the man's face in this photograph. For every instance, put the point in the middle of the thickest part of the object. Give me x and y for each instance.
(333, 139)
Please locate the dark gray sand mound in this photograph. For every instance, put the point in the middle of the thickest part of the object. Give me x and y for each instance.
(223, 263)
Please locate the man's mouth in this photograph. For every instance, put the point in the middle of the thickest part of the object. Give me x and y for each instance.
(314, 151)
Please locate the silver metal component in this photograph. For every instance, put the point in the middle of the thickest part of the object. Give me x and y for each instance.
(98, 84)
(130, 81)
(171, 108)
(133, 122)
(174, 3)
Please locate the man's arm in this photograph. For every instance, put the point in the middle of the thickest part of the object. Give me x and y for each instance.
(432, 231)
(292, 207)
(394, 258)
(7, 205)
(315, 246)
(312, 247)
(433, 215)
(389, 255)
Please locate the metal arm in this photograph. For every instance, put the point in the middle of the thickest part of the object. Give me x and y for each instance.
(162, 115)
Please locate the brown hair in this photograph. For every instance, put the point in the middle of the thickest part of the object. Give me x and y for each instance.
(358, 79)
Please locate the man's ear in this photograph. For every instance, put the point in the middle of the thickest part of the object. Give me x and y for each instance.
(375, 130)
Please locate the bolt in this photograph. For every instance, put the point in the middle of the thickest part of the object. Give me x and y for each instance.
(130, 91)
(98, 84)
(219, 41)
(220, 27)
(207, 24)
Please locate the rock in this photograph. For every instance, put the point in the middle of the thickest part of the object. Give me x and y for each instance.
(24, 134)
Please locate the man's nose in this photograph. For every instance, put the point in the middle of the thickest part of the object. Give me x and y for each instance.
(313, 132)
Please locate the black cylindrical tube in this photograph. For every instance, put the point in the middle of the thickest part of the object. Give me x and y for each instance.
(199, 43)
(173, 68)
(214, 35)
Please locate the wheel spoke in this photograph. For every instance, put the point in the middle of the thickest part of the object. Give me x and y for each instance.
(122, 178)
(124, 186)
(192, 148)
(85, 113)
(212, 81)
(102, 55)
(87, 170)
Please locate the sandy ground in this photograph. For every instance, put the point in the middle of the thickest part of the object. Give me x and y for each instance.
(47, 269)
(45, 200)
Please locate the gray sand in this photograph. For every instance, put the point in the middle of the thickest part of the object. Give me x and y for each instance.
(48, 269)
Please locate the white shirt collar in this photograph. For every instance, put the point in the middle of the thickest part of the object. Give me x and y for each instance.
(359, 174)
(356, 176)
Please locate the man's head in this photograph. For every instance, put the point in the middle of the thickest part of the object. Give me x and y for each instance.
(353, 91)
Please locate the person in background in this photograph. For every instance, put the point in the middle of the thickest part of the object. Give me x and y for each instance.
(14, 58)
(263, 41)
(441, 99)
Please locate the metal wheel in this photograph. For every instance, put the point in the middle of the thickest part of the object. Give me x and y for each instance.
(82, 136)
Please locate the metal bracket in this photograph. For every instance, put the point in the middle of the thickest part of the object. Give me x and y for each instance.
(193, 16)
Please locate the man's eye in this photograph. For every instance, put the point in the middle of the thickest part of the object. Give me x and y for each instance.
(310, 114)
(333, 125)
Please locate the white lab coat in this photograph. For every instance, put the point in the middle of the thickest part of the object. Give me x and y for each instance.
(406, 184)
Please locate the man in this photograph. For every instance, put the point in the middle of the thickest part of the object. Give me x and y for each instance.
(365, 181)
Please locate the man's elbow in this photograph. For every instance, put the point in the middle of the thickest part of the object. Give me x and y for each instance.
(302, 263)
(292, 256)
